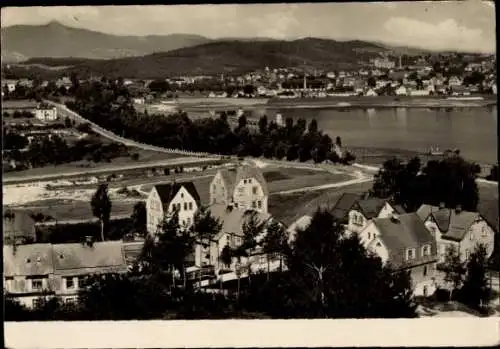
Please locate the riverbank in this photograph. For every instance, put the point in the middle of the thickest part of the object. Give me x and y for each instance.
(383, 102)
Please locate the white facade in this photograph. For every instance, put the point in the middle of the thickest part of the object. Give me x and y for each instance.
(401, 91)
(249, 194)
(46, 114)
(183, 201)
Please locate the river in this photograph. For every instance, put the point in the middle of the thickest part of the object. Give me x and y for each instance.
(472, 130)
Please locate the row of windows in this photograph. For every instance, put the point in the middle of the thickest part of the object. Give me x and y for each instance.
(188, 206)
(257, 204)
(69, 282)
(357, 219)
(411, 253)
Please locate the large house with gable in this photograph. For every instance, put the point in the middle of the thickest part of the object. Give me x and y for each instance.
(356, 211)
(404, 243)
(165, 198)
(457, 228)
(41, 271)
(243, 187)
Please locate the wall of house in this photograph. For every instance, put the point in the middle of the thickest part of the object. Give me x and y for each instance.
(202, 255)
(46, 114)
(386, 211)
(479, 233)
(187, 207)
(248, 193)
(423, 279)
(218, 190)
(154, 211)
(378, 247)
(357, 221)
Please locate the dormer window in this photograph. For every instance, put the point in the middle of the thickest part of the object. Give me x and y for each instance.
(471, 236)
(410, 254)
(244, 181)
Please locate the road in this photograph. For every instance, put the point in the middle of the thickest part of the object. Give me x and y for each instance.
(184, 161)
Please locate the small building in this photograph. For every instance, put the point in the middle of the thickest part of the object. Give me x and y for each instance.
(404, 243)
(454, 81)
(18, 228)
(366, 209)
(371, 93)
(231, 233)
(165, 198)
(401, 91)
(462, 230)
(244, 187)
(46, 113)
(138, 100)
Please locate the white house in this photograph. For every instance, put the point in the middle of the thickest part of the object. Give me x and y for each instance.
(425, 92)
(463, 230)
(165, 198)
(371, 93)
(46, 113)
(401, 91)
(404, 243)
(139, 100)
(245, 187)
(454, 81)
(364, 210)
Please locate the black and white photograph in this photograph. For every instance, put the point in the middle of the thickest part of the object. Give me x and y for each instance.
(250, 162)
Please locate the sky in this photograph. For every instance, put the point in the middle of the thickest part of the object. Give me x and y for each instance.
(436, 25)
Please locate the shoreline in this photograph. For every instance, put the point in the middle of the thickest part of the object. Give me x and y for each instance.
(350, 102)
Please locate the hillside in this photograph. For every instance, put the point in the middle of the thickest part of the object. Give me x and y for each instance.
(238, 57)
(56, 40)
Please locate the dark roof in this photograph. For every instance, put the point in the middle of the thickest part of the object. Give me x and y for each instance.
(407, 231)
(452, 224)
(344, 204)
(27, 260)
(371, 207)
(168, 191)
(233, 176)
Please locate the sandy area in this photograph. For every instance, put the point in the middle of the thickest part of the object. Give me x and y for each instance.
(22, 194)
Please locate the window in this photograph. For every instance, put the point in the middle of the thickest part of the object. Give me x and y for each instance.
(426, 250)
(70, 284)
(254, 204)
(80, 281)
(190, 206)
(178, 207)
(182, 195)
(36, 284)
(259, 204)
(254, 190)
(262, 259)
(484, 232)
(250, 180)
(37, 302)
(425, 291)
(185, 206)
(425, 270)
(410, 253)
(467, 254)
(244, 181)
(188, 220)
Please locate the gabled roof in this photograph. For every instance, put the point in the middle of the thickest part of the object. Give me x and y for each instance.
(233, 176)
(79, 259)
(344, 204)
(451, 223)
(233, 218)
(27, 260)
(407, 231)
(371, 207)
(168, 191)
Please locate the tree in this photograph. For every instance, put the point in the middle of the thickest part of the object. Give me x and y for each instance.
(275, 242)
(226, 255)
(101, 206)
(248, 89)
(453, 269)
(263, 124)
(475, 290)
(372, 82)
(139, 217)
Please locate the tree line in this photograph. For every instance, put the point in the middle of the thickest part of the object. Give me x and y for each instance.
(108, 104)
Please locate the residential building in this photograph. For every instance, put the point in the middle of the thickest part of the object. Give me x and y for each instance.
(383, 63)
(366, 209)
(74, 262)
(344, 204)
(454, 81)
(371, 93)
(46, 113)
(401, 91)
(165, 198)
(36, 271)
(18, 228)
(299, 225)
(231, 233)
(244, 187)
(404, 243)
(462, 230)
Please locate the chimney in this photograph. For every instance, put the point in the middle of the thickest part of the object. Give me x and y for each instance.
(229, 208)
(395, 218)
(442, 205)
(458, 208)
